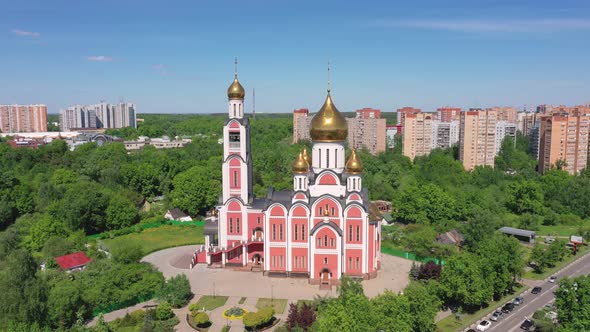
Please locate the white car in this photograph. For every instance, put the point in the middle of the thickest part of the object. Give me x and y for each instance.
(483, 325)
(552, 278)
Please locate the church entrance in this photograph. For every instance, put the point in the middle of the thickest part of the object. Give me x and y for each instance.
(325, 276)
(257, 260)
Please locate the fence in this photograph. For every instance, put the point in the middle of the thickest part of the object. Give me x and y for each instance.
(116, 306)
(409, 255)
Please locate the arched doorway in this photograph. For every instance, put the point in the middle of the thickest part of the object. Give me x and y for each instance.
(257, 234)
(325, 276)
(257, 260)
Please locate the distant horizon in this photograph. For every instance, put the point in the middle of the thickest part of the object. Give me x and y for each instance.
(180, 58)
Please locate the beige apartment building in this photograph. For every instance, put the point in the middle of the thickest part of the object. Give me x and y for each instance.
(23, 118)
(301, 123)
(477, 138)
(417, 134)
(563, 141)
(508, 114)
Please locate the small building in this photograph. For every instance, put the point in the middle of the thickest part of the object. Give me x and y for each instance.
(177, 214)
(521, 234)
(73, 262)
(451, 237)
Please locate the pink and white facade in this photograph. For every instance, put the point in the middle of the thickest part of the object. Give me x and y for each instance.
(319, 230)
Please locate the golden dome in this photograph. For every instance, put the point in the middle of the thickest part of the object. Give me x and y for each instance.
(328, 125)
(300, 165)
(236, 90)
(306, 156)
(354, 165)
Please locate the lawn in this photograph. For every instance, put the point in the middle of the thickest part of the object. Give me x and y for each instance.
(154, 239)
(278, 304)
(242, 300)
(452, 324)
(210, 302)
(560, 230)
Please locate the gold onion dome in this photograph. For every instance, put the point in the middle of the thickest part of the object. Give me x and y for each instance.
(300, 165)
(236, 90)
(306, 156)
(328, 125)
(354, 165)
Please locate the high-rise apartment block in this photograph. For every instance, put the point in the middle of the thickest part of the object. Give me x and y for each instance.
(390, 132)
(445, 134)
(504, 130)
(477, 138)
(23, 118)
(448, 114)
(366, 130)
(563, 141)
(301, 123)
(525, 122)
(102, 115)
(402, 112)
(507, 114)
(417, 135)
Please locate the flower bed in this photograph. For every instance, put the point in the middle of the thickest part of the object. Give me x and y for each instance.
(234, 313)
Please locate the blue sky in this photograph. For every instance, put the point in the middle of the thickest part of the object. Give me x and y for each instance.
(177, 56)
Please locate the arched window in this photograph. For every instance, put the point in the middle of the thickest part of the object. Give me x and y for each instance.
(336, 158)
(320, 157)
(325, 240)
(327, 158)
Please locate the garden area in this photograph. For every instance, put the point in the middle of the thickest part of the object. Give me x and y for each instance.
(278, 305)
(210, 302)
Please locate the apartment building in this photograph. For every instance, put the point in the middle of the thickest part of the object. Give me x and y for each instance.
(101, 115)
(448, 114)
(417, 135)
(507, 114)
(525, 122)
(445, 134)
(23, 118)
(504, 129)
(301, 124)
(477, 138)
(563, 141)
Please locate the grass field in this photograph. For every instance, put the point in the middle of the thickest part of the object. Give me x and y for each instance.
(167, 236)
(210, 302)
(560, 230)
(242, 300)
(278, 304)
(452, 324)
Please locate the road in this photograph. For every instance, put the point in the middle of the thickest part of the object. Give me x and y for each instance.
(511, 322)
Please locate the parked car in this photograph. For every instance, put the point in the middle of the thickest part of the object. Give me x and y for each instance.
(528, 325)
(508, 307)
(484, 325)
(536, 290)
(471, 330)
(518, 300)
(496, 315)
(552, 279)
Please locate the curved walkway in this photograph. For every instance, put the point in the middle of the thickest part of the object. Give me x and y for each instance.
(253, 285)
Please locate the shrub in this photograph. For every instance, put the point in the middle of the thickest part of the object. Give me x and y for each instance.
(234, 311)
(201, 319)
(164, 311)
(176, 291)
(428, 271)
(251, 319)
(193, 307)
(265, 315)
(300, 319)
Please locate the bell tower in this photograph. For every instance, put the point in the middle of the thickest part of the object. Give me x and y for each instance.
(237, 160)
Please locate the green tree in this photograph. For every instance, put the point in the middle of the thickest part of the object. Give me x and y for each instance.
(126, 252)
(525, 197)
(195, 190)
(120, 213)
(424, 306)
(164, 311)
(464, 281)
(392, 312)
(64, 303)
(503, 262)
(573, 303)
(176, 291)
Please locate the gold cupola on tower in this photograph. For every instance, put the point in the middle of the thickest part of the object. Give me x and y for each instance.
(306, 156)
(354, 165)
(328, 125)
(300, 165)
(236, 90)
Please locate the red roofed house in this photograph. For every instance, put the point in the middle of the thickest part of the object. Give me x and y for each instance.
(73, 262)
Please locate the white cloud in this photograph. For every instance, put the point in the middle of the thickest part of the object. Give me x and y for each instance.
(25, 33)
(461, 25)
(161, 69)
(99, 58)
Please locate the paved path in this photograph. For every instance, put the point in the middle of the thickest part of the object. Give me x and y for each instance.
(253, 285)
(532, 302)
